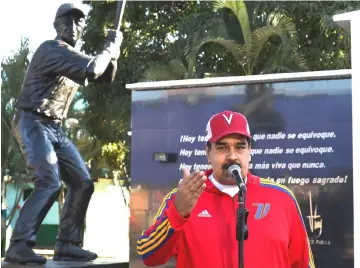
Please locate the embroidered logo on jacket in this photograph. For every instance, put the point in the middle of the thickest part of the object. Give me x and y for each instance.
(205, 214)
(262, 210)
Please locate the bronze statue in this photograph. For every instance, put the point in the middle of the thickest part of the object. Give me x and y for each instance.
(51, 81)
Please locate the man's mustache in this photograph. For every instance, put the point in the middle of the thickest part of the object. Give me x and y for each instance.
(226, 166)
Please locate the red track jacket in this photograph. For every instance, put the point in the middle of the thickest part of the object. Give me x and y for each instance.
(277, 235)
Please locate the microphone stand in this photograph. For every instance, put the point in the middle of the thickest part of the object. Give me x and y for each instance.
(241, 222)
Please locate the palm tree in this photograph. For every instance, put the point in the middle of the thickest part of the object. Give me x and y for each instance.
(12, 75)
(174, 70)
(13, 167)
(105, 156)
(279, 36)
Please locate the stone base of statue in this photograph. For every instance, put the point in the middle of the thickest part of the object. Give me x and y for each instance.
(98, 263)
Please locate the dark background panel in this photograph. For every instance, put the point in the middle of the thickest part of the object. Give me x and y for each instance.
(161, 119)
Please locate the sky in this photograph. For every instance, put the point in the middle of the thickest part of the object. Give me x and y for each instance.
(23, 18)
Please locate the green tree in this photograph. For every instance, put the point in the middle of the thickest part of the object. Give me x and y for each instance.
(12, 75)
(174, 70)
(276, 41)
(175, 66)
(13, 168)
(150, 30)
(323, 43)
(226, 39)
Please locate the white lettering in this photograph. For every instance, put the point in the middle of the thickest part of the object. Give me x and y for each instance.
(185, 152)
(187, 138)
(183, 165)
(199, 152)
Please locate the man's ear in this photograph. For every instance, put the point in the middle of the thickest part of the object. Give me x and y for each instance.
(56, 24)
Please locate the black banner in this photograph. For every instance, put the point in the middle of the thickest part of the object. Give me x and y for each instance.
(302, 138)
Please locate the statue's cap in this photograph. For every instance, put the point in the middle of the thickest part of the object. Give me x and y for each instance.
(67, 7)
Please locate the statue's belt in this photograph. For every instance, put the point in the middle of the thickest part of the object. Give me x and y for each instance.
(42, 115)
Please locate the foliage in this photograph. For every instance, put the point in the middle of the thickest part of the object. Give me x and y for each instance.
(278, 38)
(150, 30)
(176, 66)
(115, 157)
(13, 71)
(174, 70)
(12, 74)
(221, 38)
(324, 44)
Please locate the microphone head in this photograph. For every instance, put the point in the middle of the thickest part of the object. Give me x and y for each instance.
(235, 171)
(234, 167)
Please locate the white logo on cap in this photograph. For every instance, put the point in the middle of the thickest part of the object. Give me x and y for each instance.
(208, 131)
(228, 120)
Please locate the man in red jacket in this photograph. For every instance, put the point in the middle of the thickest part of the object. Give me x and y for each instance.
(196, 222)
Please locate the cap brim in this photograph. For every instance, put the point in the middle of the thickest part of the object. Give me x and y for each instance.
(216, 138)
(73, 10)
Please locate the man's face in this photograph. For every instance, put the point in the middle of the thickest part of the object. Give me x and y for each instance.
(228, 150)
(70, 28)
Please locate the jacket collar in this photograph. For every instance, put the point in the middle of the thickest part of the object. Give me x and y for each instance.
(210, 187)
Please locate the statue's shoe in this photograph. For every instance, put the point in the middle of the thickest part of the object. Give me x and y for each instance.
(22, 253)
(72, 252)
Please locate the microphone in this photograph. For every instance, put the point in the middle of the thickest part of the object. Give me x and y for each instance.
(235, 171)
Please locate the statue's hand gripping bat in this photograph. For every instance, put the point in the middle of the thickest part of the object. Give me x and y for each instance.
(114, 36)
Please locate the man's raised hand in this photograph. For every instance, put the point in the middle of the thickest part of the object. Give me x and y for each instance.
(189, 190)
